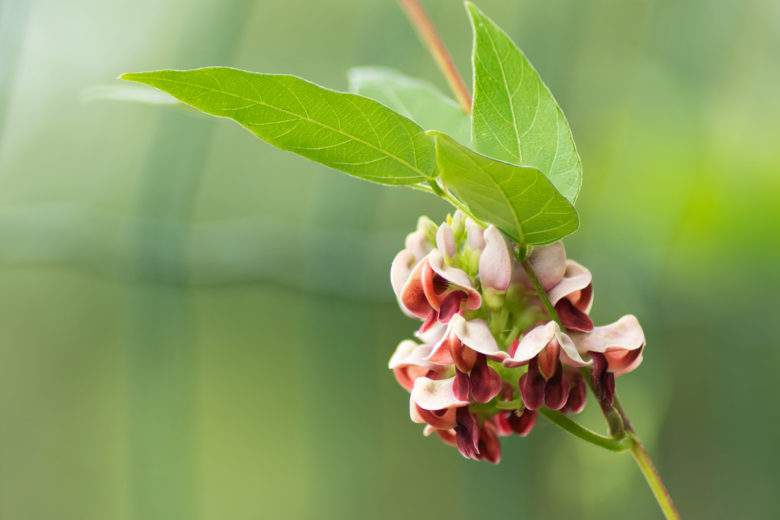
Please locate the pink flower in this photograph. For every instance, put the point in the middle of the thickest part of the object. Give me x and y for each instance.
(572, 297)
(545, 349)
(433, 402)
(468, 345)
(616, 349)
(435, 291)
(408, 362)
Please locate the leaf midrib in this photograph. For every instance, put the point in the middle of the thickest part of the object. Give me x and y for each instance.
(261, 103)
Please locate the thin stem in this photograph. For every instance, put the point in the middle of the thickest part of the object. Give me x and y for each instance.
(623, 435)
(441, 55)
(585, 434)
(653, 479)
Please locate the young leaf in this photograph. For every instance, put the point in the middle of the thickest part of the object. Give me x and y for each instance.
(516, 118)
(416, 99)
(518, 200)
(347, 132)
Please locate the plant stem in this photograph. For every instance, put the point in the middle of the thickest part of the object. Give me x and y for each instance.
(540, 292)
(623, 435)
(575, 428)
(620, 427)
(438, 50)
(653, 479)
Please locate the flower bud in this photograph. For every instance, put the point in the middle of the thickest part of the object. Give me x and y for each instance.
(523, 422)
(495, 262)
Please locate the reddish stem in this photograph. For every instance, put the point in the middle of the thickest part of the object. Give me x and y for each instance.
(430, 37)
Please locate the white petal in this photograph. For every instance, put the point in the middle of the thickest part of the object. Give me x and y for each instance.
(445, 240)
(433, 334)
(495, 262)
(474, 233)
(476, 335)
(576, 278)
(549, 263)
(533, 343)
(417, 243)
(626, 334)
(569, 354)
(409, 352)
(431, 394)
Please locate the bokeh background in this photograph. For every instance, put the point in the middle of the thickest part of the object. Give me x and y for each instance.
(194, 325)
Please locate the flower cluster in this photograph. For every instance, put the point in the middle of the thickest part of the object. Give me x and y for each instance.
(488, 355)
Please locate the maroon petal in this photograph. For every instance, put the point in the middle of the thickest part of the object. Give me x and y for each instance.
(466, 433)
(489, 445)
(461, 386)
(577, 394)
(503, 426)
(532, 387)
(556, 391)
(603, 380)
(523, 422)
(450, 305)
(485, 382)
(572, 317)
(463, 357)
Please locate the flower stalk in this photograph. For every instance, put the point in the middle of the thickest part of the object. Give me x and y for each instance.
(622, 435)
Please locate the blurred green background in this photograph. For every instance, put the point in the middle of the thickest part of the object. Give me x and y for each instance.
(194, 325)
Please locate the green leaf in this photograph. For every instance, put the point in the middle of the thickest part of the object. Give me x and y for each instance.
(416, 99)
(347, 132)
(516, 118)
(518, 200)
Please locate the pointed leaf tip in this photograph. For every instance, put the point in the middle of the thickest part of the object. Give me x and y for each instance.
(515, 116)
(347, 132)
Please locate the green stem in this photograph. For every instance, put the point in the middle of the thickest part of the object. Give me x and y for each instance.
(540, 292)
(653, 479)
(576, 429)
(619, 426)
(623, 435)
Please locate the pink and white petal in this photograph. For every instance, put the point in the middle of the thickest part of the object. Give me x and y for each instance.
(495, 262)
(474, 235)
(418, 244)
(445, 240)
(576, 278)
(532, 343)
(412, 296)
(400, 270)
(441, 353)
(621, 361)
(476, 335)
(625, 334)
(432, 335)
(409, 352)
(455, 276)
(569, 354)
(549, 264)
(430, 394)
